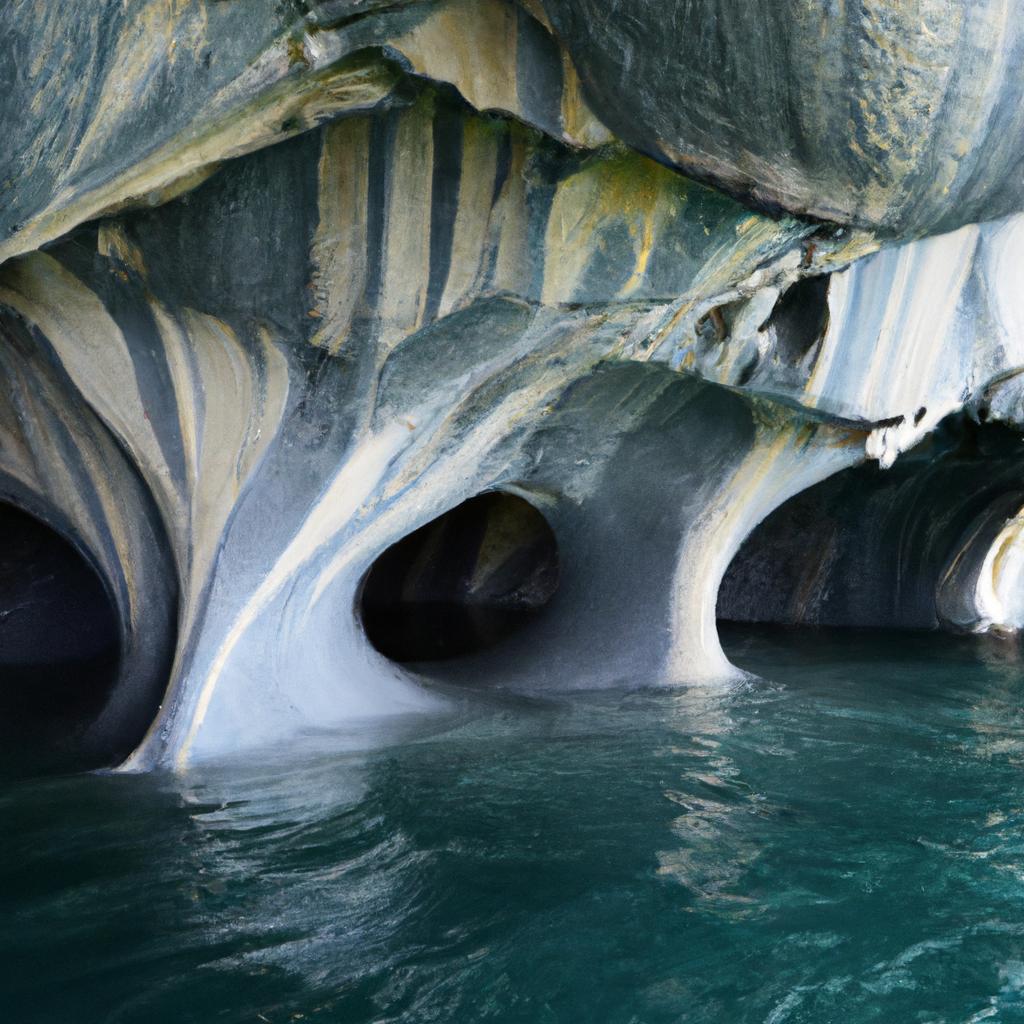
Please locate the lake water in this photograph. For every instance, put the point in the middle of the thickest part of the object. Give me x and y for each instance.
(841, 841)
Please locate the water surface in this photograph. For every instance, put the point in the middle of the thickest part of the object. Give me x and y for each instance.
(840, 843)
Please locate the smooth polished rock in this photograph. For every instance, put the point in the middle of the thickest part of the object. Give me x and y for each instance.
(901, 117)
(283, 287)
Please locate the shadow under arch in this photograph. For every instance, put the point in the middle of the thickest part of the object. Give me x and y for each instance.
(897, 548)
(81, 676)
(462, 582)
(621, 467)
(60, 639)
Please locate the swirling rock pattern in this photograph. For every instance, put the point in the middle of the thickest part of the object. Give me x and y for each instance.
(283, 286)
(902, 117)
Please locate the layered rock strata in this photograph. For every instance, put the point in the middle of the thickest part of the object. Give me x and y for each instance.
(283, 287)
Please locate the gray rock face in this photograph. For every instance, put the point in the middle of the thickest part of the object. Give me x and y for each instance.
(283, 293)
(901, 117)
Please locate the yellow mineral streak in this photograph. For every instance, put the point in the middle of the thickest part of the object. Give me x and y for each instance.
(339, 246)
(113, 243)
(31, 455)
(902, 83)
(473, 221)
(581, 125)
(977, 96)
(49, 92)
(406, 241)
(227, 414)
(536, 9)
(121, 526)
(625, 189)
(472, 44)
(179, 356)
(239, 419)
(514, 260)
(95, 354)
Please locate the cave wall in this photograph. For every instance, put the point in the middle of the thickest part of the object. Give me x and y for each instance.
(910, 547)
(279, 291)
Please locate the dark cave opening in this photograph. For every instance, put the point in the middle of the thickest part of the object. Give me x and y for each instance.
(461, 583)
(799, 318)
(877, 548)
(59, 639)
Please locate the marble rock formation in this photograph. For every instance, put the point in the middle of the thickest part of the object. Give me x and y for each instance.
(356, 353)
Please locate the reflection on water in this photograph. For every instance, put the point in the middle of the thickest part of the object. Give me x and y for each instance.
(841, 843)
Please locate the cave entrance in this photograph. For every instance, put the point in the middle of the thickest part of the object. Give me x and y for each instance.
(880, 548)
(59, 640)
(461, 583)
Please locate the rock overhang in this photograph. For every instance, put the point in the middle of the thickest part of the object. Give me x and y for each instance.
(437, 273)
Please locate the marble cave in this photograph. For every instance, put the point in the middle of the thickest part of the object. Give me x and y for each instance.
(358, 354)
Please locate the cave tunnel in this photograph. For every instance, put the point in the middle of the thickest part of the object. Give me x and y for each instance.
(59, 644)
(462, 583)
(874, 547)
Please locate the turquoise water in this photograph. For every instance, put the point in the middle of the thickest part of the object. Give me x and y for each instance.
(842, 843)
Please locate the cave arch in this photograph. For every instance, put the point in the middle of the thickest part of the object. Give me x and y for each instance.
(884, 548)
(60, 643)
(462, 582)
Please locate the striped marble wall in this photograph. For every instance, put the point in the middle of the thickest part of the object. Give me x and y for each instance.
(282, 286)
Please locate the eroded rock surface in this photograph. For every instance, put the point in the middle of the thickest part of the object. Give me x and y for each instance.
(283, 287)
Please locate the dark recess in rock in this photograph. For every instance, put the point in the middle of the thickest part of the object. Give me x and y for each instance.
(59, 643)
(462, 582)
(800, 318)
(870, 546)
